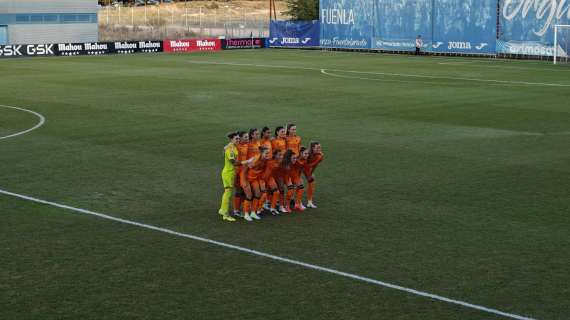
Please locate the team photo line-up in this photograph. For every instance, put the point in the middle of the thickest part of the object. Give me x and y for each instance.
(264, 173)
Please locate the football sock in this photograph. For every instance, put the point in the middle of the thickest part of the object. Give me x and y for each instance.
(298, 196)
(246, 206)
(311, 191)
(263, 198)
(282, 198)
(237, 203)
(288, 197)
(274, 199)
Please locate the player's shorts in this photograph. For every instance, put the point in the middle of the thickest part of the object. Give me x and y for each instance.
(257, 184)
(262, 185)
(237, 175)
(228, 179)
(271, 184)
(297, 180)
(243, 179)
(288, 180)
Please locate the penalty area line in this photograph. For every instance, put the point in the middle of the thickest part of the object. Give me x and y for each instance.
(456, 62)
(270, 256)
(387, 74)
(324, 71)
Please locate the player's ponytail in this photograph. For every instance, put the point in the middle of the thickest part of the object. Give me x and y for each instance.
(286, 162)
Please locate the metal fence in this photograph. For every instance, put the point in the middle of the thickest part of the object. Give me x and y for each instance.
(180, 21)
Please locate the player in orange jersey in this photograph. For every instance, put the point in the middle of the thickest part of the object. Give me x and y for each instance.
(266, 142)
(266, 139)
(272, 189)
(293, 140)
(243, 189)
(279, 142)
(315, 157)
(254, 171)
(297, 180)
(283, 177)
(254, 143)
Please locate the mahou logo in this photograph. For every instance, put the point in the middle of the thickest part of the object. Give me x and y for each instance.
(179, 44)
(205, 43)
(545, 11)
(191, 45)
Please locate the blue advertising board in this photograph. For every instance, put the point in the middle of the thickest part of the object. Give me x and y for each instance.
(346, 23)
(294, 34)
(465, 26)
(397, 24)
(527, 26)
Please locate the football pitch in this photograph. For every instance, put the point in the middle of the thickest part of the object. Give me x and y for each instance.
(449, 176)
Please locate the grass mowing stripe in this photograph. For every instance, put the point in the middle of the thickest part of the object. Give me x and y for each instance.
(403, 75)
(270, 256)
(39, 124)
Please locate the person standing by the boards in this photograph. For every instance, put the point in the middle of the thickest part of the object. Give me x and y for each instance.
(419, 44)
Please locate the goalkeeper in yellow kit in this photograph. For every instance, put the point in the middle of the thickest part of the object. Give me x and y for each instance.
(229, 175)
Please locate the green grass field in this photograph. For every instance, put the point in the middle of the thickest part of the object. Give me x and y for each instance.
(432, 181)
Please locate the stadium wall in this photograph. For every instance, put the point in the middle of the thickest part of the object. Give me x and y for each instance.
(470, 27)
(41, 21)
(130, 47)
(527, 28)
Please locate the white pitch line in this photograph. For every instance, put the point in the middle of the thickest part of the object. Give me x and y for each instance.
(272, 257)
(457, 62)
(323, 71)
(477, 62)
(499, 65)
(39, 124)
(404, 75)
(457, 78)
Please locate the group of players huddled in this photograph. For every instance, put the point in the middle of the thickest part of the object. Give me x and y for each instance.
(264, 171)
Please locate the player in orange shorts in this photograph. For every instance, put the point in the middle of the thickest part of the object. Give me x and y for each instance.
(283, 179)
(279, 142)
(292, 140)
(297, 180)
(271, 187)
(315, 157)
(243, 189)
(253, 147)
(266, 142)
(253, 172)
